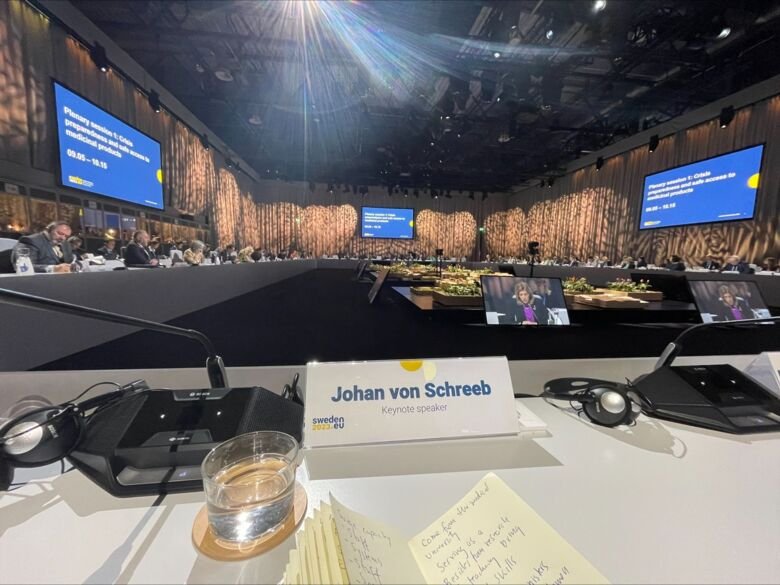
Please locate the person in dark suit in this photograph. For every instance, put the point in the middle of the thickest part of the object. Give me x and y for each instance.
(710, 263)
(735, 264)
(641, 262)
(675, 263)
(75, 247)
(108, 250)
(552, 299)
(732, 307)
(528, 309)
(49, 249)
(137, 254)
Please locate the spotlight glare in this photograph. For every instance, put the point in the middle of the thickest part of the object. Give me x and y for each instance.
(599, 5)
(496, 55)
(549, 34)
(724, 32)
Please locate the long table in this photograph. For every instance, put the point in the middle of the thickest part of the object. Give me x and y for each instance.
(658, 502)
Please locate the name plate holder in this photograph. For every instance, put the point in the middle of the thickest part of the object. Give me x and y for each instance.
(359, 403)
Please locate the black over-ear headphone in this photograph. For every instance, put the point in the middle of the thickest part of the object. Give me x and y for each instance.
(605, 403)
(45, 435)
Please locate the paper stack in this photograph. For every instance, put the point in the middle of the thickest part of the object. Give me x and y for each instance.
(490, 536)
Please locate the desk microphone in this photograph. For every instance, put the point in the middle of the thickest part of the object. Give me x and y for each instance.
(215, 367)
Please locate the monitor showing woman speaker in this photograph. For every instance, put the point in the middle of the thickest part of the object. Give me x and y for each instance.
(728, 300)
(523, 301)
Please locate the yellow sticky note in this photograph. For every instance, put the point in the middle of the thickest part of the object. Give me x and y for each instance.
(300, 544)
(374, 553)
(333, 547)
(493, 536)
(315, 577)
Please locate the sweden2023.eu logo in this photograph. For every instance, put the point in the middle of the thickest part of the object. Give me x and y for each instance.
(328, 423)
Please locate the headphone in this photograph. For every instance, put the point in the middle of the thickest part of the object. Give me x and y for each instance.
(44, 435)
(604, 403)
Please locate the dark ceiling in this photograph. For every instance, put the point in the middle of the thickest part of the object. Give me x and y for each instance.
(458, 94)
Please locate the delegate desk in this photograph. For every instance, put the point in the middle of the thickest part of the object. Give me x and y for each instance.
(655, 503)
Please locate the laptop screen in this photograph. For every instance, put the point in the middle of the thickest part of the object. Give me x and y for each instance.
(517, 300)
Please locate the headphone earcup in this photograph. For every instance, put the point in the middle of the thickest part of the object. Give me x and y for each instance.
(610, 406)
(41, 436)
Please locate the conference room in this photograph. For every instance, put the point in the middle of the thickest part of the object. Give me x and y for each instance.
(389, 291)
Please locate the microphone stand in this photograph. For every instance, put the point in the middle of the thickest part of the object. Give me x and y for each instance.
(674, 348)
(215, 367)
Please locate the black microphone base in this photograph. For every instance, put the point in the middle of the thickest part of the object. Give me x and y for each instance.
(154, 441)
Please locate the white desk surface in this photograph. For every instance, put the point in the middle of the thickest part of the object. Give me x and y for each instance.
(656, 503)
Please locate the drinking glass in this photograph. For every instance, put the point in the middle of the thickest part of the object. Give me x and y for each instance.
(249, 483)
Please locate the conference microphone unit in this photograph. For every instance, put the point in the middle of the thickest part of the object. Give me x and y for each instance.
(715, 396)
(140, 441)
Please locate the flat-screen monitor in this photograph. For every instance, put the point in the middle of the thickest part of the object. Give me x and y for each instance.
(721, 188)
(394, 223)
(517, 300)
(728, 300)
(100, 154)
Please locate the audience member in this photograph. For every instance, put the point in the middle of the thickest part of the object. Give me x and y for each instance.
(710, 263)
(49, 249)
(735, 264)
(628, 263)
(108, 249)
(75, 247)
(194, 254)
(137, 253)
(769, 264)
(675, 263)
(641, 262)
(228, 254)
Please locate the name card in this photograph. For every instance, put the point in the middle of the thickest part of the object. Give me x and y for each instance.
(408, 400)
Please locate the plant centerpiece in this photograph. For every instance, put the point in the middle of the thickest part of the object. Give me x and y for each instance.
(637, 290)
(459, 293)
(577, 286)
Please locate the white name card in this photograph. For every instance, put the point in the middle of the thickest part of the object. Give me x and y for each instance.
(408, 400)
(765, 369)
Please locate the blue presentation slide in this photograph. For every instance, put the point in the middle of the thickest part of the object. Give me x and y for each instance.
(101, 154)
(387, 222)
(717, 189)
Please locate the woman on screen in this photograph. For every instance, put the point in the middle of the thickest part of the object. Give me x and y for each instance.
(528, 309)
(732, 307)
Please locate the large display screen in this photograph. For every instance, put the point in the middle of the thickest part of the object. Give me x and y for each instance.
(100, 154)
(387, 222)
(728, 300)
(516, 300)
(722, 188)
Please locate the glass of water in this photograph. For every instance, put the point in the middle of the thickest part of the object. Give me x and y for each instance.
(249, 483)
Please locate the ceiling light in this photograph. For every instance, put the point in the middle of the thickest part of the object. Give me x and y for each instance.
(204, 140)
(98, 55)
(154, 101)
(724, 32)
(599, 163)
(223, 74)
(496, 55)
(726, 116)
(199, 68)
(653, 144)
(599, 5)
(255, 120)
(549, 34)
(229, 163)
(550, 182)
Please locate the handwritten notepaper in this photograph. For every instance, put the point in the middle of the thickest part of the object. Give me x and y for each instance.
(490, 536)
(493, 536)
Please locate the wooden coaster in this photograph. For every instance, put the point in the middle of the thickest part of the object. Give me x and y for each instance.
(209, 544)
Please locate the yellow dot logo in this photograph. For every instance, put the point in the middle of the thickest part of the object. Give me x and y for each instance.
(411, 365)
(753, 181)
(411, 223)
(159, 175)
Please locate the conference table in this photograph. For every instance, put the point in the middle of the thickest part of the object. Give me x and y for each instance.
(657, 502)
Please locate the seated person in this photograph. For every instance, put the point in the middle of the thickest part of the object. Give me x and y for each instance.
(526, 309)
(75, 247)
(108, 249)
(137, 253)
(735, 264)
(628, 262)
(49, 249)
(769, 264)
(675, 263)
(732, 307)
(641, 262)
(194, 254)
(711, 263)
(228, 254)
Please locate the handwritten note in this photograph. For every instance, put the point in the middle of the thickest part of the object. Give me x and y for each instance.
(493, 536)
(338, 569)
(374, 553)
